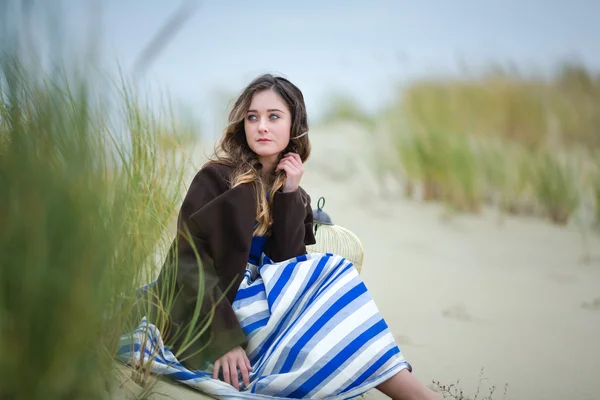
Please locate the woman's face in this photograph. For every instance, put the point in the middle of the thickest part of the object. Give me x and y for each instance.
(267, 125)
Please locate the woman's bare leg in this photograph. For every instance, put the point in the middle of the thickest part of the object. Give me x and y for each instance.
(404, 386)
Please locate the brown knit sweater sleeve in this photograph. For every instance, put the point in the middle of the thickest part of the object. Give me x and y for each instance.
(217, 222)
(292, 228)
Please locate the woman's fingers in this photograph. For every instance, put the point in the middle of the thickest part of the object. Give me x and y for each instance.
(292, 162)
(287, 166)
(296, 158)
(234, 375)
(244, 370)
(216, 369)
(295, 162)
(226, 372)
(229, 364)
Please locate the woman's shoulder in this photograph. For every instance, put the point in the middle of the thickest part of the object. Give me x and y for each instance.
(217, 167)
(215, 174)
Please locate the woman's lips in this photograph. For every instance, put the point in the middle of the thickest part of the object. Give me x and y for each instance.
(263, 140)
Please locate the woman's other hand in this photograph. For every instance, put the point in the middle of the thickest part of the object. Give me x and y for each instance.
(294, 169)
(230, 362)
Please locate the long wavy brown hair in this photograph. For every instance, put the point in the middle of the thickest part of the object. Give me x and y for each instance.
(233, 150)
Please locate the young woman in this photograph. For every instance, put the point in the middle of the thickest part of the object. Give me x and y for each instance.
(284, 323)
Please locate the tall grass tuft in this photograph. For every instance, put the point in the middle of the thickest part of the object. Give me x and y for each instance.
(506, 170)
(446, 166)
(555, 186)
(462, 188)
(596, 190)
(429, 150)
(88, 195)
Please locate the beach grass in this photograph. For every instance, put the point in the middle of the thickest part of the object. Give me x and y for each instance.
(596, 190)
(555, 186)
(505, 138)
(89, 193)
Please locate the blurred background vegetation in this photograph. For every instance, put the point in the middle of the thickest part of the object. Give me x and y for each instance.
(519, 142)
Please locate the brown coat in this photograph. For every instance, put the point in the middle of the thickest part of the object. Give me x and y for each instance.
(221, 221)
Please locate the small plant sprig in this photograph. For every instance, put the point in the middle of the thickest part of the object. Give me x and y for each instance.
(452, 391)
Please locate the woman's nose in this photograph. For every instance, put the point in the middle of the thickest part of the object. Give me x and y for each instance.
(262, 126)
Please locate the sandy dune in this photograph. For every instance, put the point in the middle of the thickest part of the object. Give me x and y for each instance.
(466, 293)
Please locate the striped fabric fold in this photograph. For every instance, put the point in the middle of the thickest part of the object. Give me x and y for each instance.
(313, 329)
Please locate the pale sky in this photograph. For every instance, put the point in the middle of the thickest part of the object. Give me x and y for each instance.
(363, 48)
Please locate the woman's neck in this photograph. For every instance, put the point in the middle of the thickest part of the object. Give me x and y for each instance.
(268, 165)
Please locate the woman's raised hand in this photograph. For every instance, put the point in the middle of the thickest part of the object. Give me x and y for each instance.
(291, 163)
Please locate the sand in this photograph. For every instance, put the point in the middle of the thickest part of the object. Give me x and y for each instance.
(466, 293)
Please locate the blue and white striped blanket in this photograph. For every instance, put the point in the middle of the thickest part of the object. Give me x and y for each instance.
(313, 329)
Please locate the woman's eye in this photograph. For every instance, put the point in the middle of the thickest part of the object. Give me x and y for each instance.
(255, 118)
